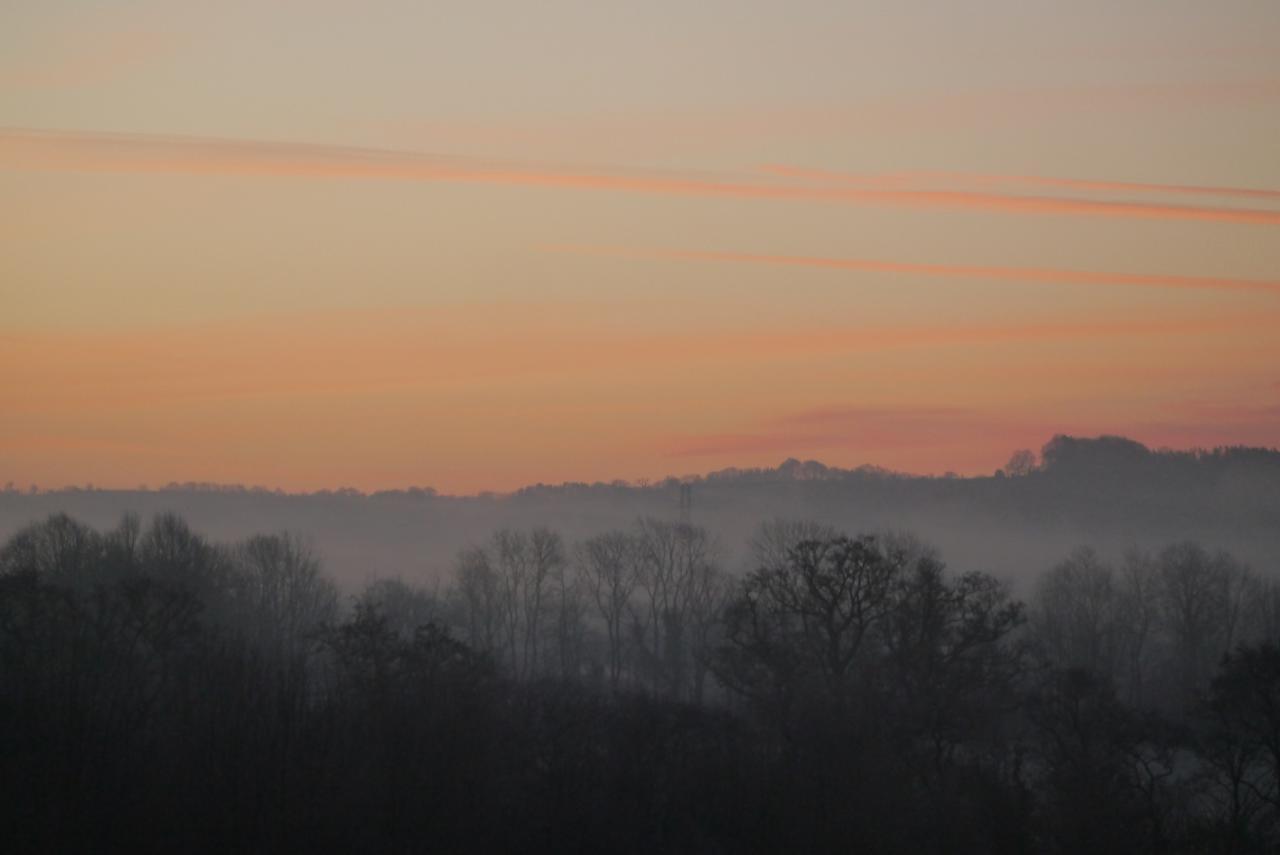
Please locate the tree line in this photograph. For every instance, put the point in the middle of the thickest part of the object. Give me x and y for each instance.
(627, 693)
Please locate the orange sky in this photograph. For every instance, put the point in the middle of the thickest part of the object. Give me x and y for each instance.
(487, 248)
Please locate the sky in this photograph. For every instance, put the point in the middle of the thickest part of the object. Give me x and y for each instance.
(478, 245)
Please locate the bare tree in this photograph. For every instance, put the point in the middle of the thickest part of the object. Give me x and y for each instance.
(406, 607)
(58, 549)
(524, 563)
(171, 551)
(708, 596)
(805, 623)
(772, 542)
(1078, 615)
(512, 559)
(609, 567)
(1021, 463)
(1238, 586)
(944, 639)
(545, 559)
(673, 557)
(120, 546)
(287, 593)
(1140, 615)
(481, 592)
(570, 624)
(1264, 610)
(1194, 606)
(1240, 738)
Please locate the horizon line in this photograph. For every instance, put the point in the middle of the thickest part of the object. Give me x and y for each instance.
(642, 483)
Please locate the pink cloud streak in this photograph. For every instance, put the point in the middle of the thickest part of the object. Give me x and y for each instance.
(956, 271)
(139, 153)
(928, 178)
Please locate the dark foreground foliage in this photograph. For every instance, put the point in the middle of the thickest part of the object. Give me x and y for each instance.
(161, 693)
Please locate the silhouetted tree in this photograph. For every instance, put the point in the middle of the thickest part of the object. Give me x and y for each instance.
(951, 663)
(1021, 463)
(284, 595)
(406, 607)
(1139, 615)
(1240, 744)
(159, 690)
(610, 566)
(1080, 618)
(569, 626)
(482, 593)
(1196, 607)
(1101, 769)
(773, 541)
(677, 560)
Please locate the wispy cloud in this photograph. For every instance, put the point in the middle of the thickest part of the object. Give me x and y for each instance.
(955, 271)
(934, 179)
(27, 149)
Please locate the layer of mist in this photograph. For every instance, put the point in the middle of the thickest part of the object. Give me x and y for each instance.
(1109, 492)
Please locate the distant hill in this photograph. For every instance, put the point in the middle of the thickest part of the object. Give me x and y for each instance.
(1108, 491)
